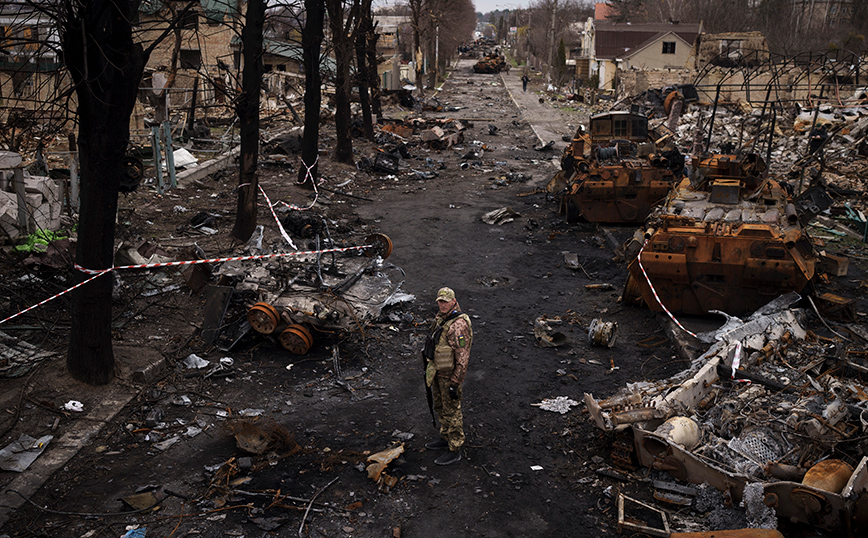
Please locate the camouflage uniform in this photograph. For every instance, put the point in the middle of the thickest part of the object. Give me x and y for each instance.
(458, 336)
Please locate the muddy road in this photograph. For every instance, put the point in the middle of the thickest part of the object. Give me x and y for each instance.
(524, 471)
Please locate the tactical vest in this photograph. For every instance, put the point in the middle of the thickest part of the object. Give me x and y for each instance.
(444, 355)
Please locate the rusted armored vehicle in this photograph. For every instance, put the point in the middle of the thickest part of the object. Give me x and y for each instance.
(490, 63)
(616, 172)
(728, 238)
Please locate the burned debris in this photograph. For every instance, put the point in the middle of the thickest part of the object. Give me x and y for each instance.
(769, 403)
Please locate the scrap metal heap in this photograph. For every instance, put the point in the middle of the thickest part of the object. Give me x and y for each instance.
(728, 238)
(616, 172)
(769, 403)
(297, 297)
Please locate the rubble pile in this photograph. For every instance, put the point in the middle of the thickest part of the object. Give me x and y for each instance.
(769, 403)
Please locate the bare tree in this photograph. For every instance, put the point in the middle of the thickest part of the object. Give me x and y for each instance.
(364, 26)
(247, 108)
(342, 18)
(311, 42)
(106, 65)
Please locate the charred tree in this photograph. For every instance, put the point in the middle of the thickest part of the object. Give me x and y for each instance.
(247, 108)
(106, 66)
(340, 23)
(364, 24)
(311, 42)
(373, 76)
(417, 10)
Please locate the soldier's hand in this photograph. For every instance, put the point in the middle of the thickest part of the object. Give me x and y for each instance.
(453, 392)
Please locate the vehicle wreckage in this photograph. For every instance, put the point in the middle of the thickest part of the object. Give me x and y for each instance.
(769, 404)
(728, 238)
(296, 297)
(490, 64)
(618, 171)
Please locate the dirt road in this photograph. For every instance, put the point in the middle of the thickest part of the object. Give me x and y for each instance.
(524, 472)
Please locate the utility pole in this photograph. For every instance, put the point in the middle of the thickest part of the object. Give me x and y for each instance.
(551, 47)
(527, 40)
(437, 54)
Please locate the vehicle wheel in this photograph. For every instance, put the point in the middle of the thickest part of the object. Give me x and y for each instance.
(263, 318)
(381, 246)
(296, 339)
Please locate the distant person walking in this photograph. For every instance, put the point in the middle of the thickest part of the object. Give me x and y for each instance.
(524, 80)
(449, 345)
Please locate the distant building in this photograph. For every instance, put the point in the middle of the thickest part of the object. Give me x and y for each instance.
(608, 46)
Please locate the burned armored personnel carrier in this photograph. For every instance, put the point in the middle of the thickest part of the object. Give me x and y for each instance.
(728, 238)
(617, 171)
(490, 64)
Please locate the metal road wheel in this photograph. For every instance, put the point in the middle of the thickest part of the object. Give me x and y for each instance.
(296, 339)
(263, 318)
(381, 245)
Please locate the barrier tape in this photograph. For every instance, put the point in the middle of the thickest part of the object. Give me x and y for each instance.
(654, 292)
(96, 273)
(307, 174)
(273, 214)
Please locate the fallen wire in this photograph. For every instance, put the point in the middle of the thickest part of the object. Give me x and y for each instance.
(307, 511)
(20, 401)
(80, 514)
(824, 321)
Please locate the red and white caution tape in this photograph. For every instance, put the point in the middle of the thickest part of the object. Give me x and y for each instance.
(96, 273)
(64, 292)
(654, 292)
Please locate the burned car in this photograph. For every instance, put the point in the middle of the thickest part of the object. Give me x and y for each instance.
(616, 172)
(728, 238)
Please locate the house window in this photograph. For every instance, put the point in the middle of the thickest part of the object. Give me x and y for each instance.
(669, 47)
(191, 58)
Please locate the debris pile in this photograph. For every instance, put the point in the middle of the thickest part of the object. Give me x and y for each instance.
(769, 403)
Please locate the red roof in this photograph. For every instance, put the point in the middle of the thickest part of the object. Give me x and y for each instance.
(621, 39)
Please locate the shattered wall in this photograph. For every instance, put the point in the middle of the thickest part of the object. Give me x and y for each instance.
(635, 82)
(731, 45)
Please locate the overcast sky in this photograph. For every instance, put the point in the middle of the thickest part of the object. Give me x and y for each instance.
(484, 6)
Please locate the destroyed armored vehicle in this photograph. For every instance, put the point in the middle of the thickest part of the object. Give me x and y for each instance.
(326, 294)
(490, 64)
(728, 238)
(770, 415)
(615, 173)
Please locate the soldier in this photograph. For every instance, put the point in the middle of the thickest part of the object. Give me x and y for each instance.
(450, 338)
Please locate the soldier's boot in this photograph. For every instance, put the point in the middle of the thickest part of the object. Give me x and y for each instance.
(449, 457)
(439, 444)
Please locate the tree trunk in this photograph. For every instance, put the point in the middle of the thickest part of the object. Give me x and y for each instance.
(248, 115)
(360, 42)
(340, 40)
(311, 41)
(373, 76)
(106, 66)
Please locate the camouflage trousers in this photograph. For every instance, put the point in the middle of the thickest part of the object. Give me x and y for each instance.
(449, 412)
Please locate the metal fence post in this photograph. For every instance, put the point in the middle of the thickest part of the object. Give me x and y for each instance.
(170, 156)
(158, 163)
